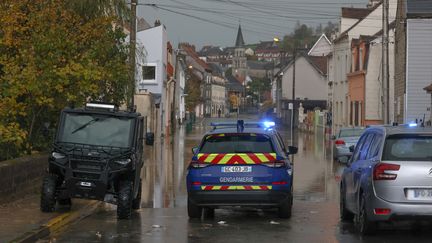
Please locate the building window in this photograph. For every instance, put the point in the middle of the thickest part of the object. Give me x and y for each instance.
(149, 72)
(347, 64)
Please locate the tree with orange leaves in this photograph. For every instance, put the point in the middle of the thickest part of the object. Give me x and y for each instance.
(52, 56)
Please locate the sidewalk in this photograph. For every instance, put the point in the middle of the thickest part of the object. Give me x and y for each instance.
(23, 217)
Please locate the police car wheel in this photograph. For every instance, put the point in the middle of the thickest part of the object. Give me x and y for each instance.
(285, 209)
(209, 212)
(48, 194)
(194, 211)
(124, 200)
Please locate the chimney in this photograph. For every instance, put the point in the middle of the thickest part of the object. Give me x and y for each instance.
(373, 3)
(157, 23)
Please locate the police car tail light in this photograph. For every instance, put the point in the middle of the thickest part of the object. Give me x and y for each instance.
(279, 183)
(196, 183)
(340, 142)
(381, 171)
(276, 164)
(198, 164)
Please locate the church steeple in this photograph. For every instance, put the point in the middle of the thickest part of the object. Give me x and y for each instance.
(239, 40)
(239, 61)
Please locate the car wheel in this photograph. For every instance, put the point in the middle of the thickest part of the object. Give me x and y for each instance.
(209, 213)
(365, 226)
(194, 211)
(136, 204)
(345, 215)
(285, 209)
(48, 194)
(124, 200)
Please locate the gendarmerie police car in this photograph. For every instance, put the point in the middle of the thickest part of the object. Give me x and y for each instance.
(241, 164)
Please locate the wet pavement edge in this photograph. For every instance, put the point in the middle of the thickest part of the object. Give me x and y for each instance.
(57, 223)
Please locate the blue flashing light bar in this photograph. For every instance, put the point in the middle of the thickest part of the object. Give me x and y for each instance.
(269, 124)
(413, 125)
(223, 124)
(264, 124)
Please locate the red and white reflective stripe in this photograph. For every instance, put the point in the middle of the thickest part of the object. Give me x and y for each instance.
(236, 188)
(240, 159)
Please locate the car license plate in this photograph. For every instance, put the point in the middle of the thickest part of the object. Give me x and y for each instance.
(87, 184)
(236, 169)
(419, 194)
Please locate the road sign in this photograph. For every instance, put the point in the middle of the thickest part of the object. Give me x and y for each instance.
(290, 106)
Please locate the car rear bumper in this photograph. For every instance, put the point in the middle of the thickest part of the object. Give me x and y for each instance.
(239, 198)
(399, 211)
(341, 151)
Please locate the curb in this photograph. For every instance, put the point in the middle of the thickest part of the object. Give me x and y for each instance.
(57, 223)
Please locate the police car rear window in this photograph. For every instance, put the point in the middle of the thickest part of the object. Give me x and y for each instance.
(237, 143)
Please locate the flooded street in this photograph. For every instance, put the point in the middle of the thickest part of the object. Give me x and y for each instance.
(163, 216)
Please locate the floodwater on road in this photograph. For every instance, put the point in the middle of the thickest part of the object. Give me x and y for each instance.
(163, 216)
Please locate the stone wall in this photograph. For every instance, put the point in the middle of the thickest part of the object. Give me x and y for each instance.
(21, 177)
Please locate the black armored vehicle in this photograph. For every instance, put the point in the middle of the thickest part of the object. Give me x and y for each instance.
(97, 154)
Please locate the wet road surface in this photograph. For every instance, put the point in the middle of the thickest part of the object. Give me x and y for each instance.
(163, 217)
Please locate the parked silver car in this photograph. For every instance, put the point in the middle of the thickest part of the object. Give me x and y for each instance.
(346, 138)
(388, 177)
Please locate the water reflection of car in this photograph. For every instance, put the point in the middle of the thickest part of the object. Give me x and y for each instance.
(346, 138)
(240, 164)
(389, 177)
(97, 154)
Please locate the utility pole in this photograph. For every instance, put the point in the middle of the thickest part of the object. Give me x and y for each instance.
(294, 75)
(385, 63)
(293, 98)
(133, 50)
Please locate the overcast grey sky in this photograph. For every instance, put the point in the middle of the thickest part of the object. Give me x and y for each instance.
(215, 22)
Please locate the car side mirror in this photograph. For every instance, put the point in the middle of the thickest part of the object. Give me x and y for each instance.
(333, 137)
(351, 148)
(149, 139)
(194, 150)
(292, 150)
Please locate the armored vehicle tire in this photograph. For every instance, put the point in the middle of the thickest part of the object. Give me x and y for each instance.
(65, 202)
(48, 194)
(194, 211)
(124, 200)
(136, 204)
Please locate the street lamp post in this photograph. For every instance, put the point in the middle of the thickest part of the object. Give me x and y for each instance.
(278, 84)
(133, 53)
